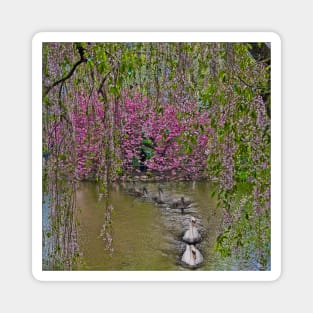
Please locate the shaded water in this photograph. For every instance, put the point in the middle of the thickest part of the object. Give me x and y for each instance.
(147, 236)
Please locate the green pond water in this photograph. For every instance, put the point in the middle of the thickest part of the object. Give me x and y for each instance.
(146, 235)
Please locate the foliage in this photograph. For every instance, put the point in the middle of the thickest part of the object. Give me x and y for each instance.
(188, 110)
(173, 140)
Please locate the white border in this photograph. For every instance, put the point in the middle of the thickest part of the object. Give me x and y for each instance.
(41, 275)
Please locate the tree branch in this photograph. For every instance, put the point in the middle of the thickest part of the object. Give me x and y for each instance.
(102, 83)
(62, 80)
(250, 86)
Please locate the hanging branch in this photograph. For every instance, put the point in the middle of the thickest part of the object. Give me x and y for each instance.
(251, 86)
(83, 59)
(114, 68)
(100, 90)
(66, 77)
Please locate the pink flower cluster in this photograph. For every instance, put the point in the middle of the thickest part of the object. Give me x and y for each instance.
(177, 135)
(88, 130)
(174, 137)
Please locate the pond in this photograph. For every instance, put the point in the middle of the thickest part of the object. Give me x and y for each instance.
(147, 235)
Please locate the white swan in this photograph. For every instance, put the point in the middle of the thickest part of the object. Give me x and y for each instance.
(192, 256)
(192, 235)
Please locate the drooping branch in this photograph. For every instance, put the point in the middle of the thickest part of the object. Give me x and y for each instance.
(83, 59)
(100, 90)
(250, 86)
(62, 80)
(114, 70)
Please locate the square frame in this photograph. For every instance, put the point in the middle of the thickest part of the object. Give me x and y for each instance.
(270, 37)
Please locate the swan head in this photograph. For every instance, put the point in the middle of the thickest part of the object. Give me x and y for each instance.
(193, 221)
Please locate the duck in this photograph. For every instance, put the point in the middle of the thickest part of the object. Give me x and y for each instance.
(143, 193)
(134, 190)
(192, 235)
(192, 256)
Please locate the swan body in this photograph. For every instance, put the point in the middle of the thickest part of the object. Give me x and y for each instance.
(192, 256)
(192, 235)
(160, 198)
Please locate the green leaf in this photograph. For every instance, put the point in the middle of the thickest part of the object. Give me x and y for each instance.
(62, 156)
(114, 90)
(119, 170)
